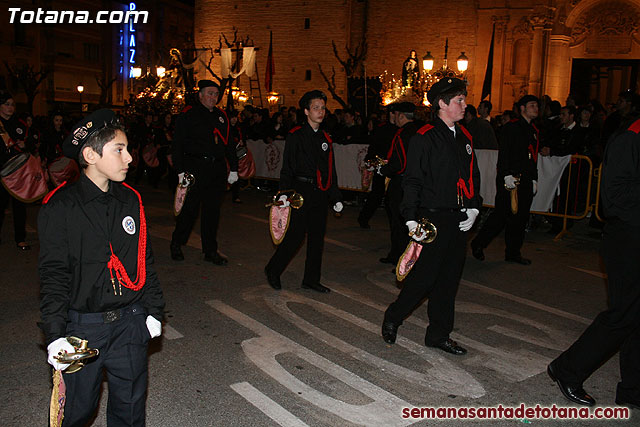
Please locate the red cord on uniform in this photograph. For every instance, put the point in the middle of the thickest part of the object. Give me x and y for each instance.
(115, 264)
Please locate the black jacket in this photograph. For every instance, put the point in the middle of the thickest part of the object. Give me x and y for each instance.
(518, 152)
(440, 168)
(75, 226)
(309, 154)
(397, 153)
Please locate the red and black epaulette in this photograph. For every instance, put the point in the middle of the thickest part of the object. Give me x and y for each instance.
(295, 129)
(466, 132)
(186, 108)
(635, 127)
(424, 129)
(51, 193)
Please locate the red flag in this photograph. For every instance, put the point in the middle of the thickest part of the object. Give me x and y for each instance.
(271, 69)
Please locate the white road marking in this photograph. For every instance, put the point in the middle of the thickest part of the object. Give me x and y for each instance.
(443, 376)
(268, 407)
(170, 333)
(326, 239)
(384, 408)
(591, 272)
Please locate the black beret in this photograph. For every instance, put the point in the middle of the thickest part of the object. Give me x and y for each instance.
(207, 83)
(446, 84)
(405, 107)
(4, 96)
(86, 127)
(526, 99)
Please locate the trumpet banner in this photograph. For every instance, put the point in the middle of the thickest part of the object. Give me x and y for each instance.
(58, 399)
(408, 259)
(178, 201)
(279, 222)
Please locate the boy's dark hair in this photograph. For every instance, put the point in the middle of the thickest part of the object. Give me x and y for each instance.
(305, 101)
(487, 103)
(570, 109)
(446, 97)
(99, 139)
(471, 110)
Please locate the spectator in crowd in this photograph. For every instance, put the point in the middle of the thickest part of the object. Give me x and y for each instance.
(613, 120)
(278, 128)
(164, 139)
(349, 132)
(51, 145)
(261, 126)
(481, 130)
(484, 110)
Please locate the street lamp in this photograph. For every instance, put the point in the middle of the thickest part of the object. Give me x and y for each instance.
(427, 62)
(463, 63)
(160, 70)
(80, 89)
(136, 72)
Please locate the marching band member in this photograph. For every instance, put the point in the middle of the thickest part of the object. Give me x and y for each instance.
(97, 277)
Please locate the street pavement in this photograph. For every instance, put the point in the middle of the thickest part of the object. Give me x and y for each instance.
(234, 352)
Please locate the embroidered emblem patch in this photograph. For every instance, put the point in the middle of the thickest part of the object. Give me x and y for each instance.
(325, 146)
(221, 119)
(468, 149)
(129, 225)
(19, 131)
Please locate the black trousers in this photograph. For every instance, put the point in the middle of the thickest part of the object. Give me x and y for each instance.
(309, 220)
(19, 214)
(374, 199)
(435, 275)
(207, 194)
(618, 327)
(399, 232)
(502, 218)
(123, 355)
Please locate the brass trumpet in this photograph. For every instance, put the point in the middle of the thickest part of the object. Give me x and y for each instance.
(295, 199)
(424, 225)
(375, 162)
(76, 360)
(514, 195)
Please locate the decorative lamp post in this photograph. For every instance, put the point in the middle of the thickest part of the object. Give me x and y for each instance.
(463, 63)
(80, 89)
(136, 72)
(160, 70)
(427, 62)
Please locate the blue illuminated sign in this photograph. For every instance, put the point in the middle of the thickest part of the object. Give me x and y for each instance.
(131, 42)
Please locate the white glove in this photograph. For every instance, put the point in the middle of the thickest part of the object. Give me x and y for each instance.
(471, 218)
(378, 170)
(61, 345)
(285, 202)
(233, 177)
(510, 182)
(154, 326)
(180, 177)
(412, 225)
(535, 187)
(338, 207)
(371, 168)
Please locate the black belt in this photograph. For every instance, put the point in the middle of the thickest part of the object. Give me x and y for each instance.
(107, 316)
(438, 210)
(208, 158)
(304, 179)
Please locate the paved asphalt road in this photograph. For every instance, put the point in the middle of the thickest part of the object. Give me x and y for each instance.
(236, 353)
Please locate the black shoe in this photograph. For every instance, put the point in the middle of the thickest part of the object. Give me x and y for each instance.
(388, 260)
(274, 281)
(389, 332)
(627, 403)
(450, 346)
(316, 287)
(477, 252)
(574, 394)
(23, 246)
(176, 253)
(518, 260)
(364, 224)
(215, 258)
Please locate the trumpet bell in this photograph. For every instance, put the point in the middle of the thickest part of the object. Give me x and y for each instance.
(431, 230)
(82, 353)
(296, 200)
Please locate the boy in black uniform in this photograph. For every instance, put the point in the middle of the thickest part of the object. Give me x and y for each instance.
(518, 156)
(441, 183)
(618, 327)
(97, 277)
(308, 167)
(14, 141)
(201, 147)
(396, 158)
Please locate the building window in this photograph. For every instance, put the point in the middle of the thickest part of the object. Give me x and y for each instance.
(307, 75)
(307, 23)
(91, 52)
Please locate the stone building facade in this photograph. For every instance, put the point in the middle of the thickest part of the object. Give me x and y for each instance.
(538, 44)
